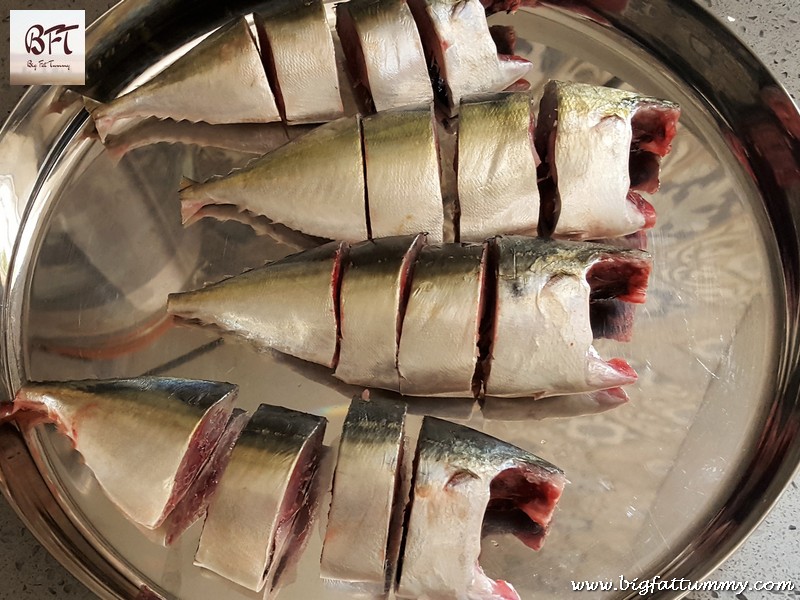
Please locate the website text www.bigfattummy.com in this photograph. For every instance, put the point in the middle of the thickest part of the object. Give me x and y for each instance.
(645, 587)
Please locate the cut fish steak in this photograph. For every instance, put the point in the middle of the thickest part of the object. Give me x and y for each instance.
(497, 191)
(248, 528)
(437, 319)
(221, 80)
(462, 474)
(298, 54)
(599, 146)
(384, 54)
(145, 439)
(457, 41)
(359, 549)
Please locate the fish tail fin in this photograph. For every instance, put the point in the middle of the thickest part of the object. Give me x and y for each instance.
(102, 121)
(191, 203)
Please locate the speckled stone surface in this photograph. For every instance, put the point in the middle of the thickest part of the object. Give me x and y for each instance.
(772, 553)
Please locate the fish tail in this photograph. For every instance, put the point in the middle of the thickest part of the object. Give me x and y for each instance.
(102, 122)
(191, 203)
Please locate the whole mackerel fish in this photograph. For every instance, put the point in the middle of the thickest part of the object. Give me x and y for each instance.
(247, 531)
(364, 523)
(436, 319)
(461, 475)
(145, 439)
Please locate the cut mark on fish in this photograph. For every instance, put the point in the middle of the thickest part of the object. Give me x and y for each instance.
(406, 279)
(367, 216)
(486, 327)
(268, 62)
(184, 358)
(337, 275)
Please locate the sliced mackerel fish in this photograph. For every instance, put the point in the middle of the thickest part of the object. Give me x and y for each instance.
(437, 319)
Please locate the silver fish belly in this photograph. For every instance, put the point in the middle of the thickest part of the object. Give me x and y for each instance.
(402, 164)
(284, 185)
(542, 341)
(497, 184)
(358, 550)
(221, 80)
(374, 281)
(439, 340)
(585, 136)
(298, 52)
(252, 512)
(253, 305)
(460, 473)
(144, 439)
(384, 53)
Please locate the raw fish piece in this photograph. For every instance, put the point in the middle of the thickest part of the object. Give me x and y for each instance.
(599, 145)
(375, 280)
(251, 516)
(457, 42)
(314, 184)
(542, 340)
(145, 439)
(460, 474)
(358, 550)
(439, 341)
(194, 503)
(289, 305)
(221, 80)
(403, 188)
(384, 53)
(298, 55)
(497, 190)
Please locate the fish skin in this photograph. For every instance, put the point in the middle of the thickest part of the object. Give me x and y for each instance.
(253, 509)
(438, 349)
(357, 550)
(224, 70)
(456, 477)
(542, 342)
(402, 165)
(145, 439)
(372, 297)
(254, 304)
(296, 41)
(497, 162)
(463, 48)
(585, 134)
(284, 185)
(389, 53)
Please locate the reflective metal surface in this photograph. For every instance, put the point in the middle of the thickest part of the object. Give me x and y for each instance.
(668, 484)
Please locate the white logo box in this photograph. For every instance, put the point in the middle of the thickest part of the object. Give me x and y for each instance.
(48, 47)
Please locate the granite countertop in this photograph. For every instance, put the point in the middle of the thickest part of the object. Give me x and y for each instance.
(772, 553)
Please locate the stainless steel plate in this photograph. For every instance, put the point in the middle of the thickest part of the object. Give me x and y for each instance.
(668, 484)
